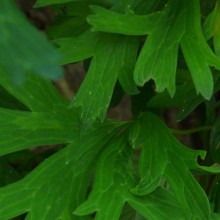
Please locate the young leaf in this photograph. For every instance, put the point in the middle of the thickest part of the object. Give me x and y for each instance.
(158, 57)
(23, 44)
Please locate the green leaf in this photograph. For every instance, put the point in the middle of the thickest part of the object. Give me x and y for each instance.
(77, 48)
(20, 130)
(215, 27)
(187, 190)
(110, 192)
(125, 75)
(42, 191)
(36, 93)
(197, 53)
(158, 57)
(24, 49)
(107, 194)
(181, 160)
(129, 24)
(66, 27)
(160, 204)
(41, 3)
(145, 135)
(185, 99)
(109, 58)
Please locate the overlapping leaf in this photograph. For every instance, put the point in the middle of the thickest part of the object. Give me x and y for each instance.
(112, 53)
(151, 172)
(160, 147)
(59, 184)
(20, 42)
(114, 178)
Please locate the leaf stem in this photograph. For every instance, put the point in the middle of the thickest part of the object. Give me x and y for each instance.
(192, 130)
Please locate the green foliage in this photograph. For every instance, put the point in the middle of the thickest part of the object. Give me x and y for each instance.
(18, 46)
(65, 159)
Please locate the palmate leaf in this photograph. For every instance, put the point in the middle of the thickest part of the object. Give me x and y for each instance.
(190, 196)
(197, 53)
(158, 57)
(114, 178)
(58, 185)
(111, 55)
(20, 42)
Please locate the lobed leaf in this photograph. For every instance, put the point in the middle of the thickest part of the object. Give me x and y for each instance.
(158, 57)
(110, 192)
(144, 135)
(109, 59)
(177, 162)
(42, 191)
(197, 53)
